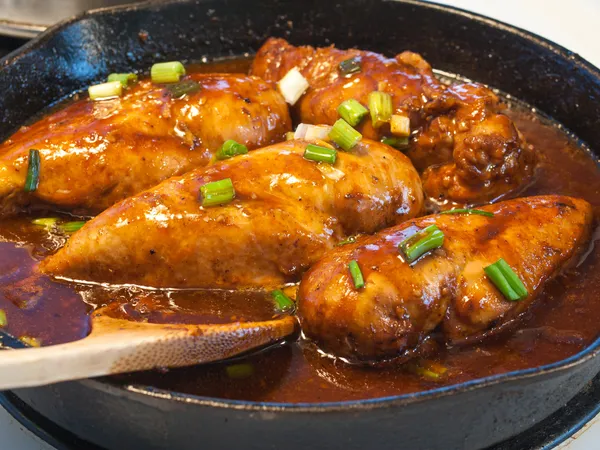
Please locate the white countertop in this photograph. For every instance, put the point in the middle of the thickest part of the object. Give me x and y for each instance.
(572, 24)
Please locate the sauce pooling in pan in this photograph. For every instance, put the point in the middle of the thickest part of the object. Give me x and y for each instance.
(562, 322)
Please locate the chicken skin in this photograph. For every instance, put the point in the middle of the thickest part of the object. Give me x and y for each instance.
(446, 290)
(95, 153)
(467, 151)
(286, 213)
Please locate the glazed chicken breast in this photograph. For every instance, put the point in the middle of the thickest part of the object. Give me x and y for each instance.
(467, 151)
(95, 153)
(286, 213)
(447, 289)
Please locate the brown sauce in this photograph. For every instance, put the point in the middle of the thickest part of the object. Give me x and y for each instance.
(563, 321)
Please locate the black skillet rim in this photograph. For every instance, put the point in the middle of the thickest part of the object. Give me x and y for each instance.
(590, 352)
(569, 419)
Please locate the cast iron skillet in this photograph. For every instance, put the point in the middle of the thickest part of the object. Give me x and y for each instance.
(472, 415)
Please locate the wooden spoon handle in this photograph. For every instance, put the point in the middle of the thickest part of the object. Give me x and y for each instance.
(119, 346)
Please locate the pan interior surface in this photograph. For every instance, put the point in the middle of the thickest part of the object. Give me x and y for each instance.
(82, 51)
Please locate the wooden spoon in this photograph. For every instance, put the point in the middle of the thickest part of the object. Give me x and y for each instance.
(119, 346)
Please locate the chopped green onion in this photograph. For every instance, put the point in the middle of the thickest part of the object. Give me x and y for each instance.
(506, 280)
(400, 125)
(289, 136)
(292, 86)
(478, 212)
(105, 90)
(352, 111)
(182, 88)
(426, 373)
(357, 276)
(31, 341)
(344, 135)
(46, 222)
(350, 66)
(380, 106)
(32, 180)
(311, 132)
(399, 143)
(283, 302)
(418, 244)
(167, 72)
(123, 78)
(71, 227)
(349, 240)
(231, 148)
(217, 192)
(3, 319)
(301, 130)
(239, 371)
(317, 132)
(320, 154)
(431, 370)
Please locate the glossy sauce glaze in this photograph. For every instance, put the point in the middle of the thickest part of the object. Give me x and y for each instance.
(563, 321)
(96, 153)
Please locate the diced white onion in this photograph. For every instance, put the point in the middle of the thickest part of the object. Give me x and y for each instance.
(292, 86)
(105, 90)
(400, 125)
(312, 132)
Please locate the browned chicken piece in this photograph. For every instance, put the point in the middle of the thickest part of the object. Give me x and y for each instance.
(408, 78)
(467, 152)
(446, 290)
(286, 213)
(95, 153)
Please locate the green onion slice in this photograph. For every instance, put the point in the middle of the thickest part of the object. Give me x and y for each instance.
(289, 136)
(239, 371)
(344, 135)
(312, 132)
(350, 66)
(506, 280)
(46, 222)
(231, 148)
(71, 227)
(430, 370)
(478, 212)
(349, 240)
(352, 111)
(123, 78)
(283, 303)
(380, 106)
(423, 241)
(33, 171)
(400, 143)
(3, 319)
(217, 192)
(31, 341)
(426, 373)
(400, 125)
(167, 72)
(320, 154)
(105, 90)
(186, 87)
(357, 276)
